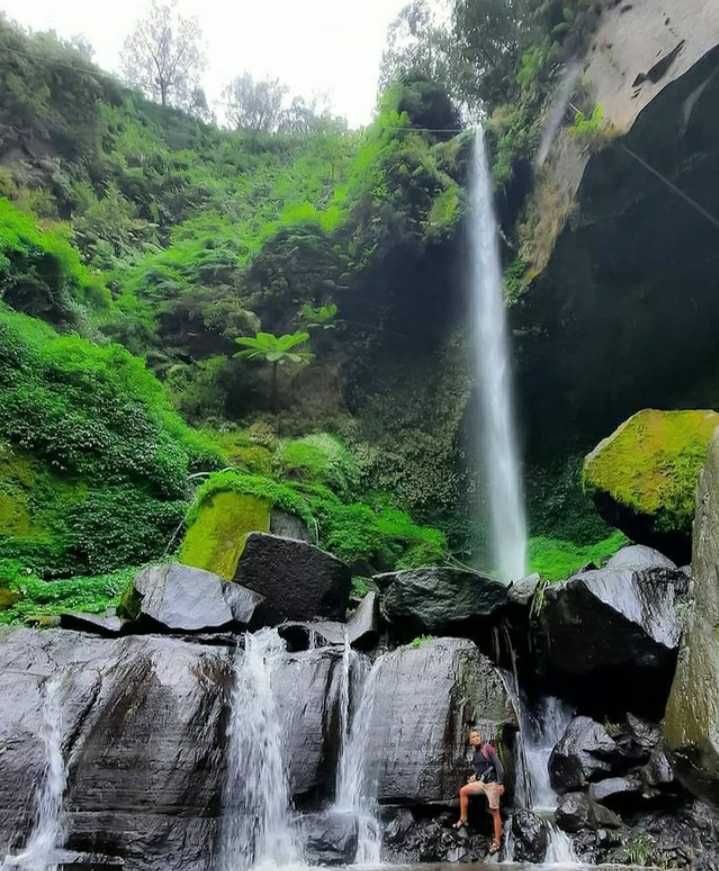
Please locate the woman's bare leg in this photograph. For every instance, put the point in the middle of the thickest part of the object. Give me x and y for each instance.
(465, 793)
(497, 820)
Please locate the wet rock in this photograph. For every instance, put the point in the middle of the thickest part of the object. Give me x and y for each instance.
(584, 753)
(614, 787)
(302, 690)
(330, 838)
(425, 698)
(411, 838)
(143, 730)
(299, 581)
(531, 837)
(658, 772)
(611, 619)
(109, 626)
(639, 558)
(576, 811)
(288, 525)
(438, 600)
(522, 592)
(180, 598)
(68, 860)
(363, 626)
(691, 726)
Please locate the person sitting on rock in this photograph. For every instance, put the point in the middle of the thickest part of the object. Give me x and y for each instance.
(488, 779)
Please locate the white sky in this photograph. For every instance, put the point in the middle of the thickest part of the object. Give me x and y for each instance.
(314, 46)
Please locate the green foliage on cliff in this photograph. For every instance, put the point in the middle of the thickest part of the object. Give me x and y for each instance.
(556, 559)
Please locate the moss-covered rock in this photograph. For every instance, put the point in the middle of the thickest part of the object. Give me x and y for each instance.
(643, 476)
(216, 538)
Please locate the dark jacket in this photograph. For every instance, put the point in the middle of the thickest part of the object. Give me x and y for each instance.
(487, 765)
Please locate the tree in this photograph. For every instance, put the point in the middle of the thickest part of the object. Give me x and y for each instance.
(303, 117)
(275, 350)
(163, 55)
(254, 105)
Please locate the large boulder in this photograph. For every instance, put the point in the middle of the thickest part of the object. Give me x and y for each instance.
(330, 838)
(643, 476)
(438, 600)
(175, 597)
(585, 752)
(691, 726)
(143, 729)
(531, 837)
(360, 631)
(424, 700)
(299, 581)
(604, 621)
(576, 811)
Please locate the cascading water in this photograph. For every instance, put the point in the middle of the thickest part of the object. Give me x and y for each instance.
(256, 769)
(46, 836)
(491, 352)
(356, 785)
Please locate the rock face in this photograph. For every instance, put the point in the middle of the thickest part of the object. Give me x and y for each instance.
(577, 811)
(691, 727)
(181, 598)
(643, 476)
(129, 707)
(438, 600)
(299, 581)
(330, 838)
(530, 837)
(584, 753)
(602, 621)
(421, 693)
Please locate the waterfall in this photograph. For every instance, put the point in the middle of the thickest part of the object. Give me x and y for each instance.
(491, 350)
(258, 827)
(47, 833)
(356, 784)
(539, 732)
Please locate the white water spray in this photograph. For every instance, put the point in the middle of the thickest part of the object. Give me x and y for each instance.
(559, 106)
(47, 834)
(257, 829)
(356, 783)
(491, 348)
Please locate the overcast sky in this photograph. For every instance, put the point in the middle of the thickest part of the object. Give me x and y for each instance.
(315, 46)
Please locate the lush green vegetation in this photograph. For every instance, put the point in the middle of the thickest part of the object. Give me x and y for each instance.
(556, 559)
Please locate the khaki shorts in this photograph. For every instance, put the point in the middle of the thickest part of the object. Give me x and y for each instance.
(493, 791)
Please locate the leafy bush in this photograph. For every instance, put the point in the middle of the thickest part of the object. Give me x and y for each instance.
(321, 458)
(590, 130)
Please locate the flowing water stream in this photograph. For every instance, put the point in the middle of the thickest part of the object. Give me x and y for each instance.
(497, 440)
(257, 777)
(47, 834)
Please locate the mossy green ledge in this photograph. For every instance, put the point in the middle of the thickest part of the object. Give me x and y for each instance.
(643, 476)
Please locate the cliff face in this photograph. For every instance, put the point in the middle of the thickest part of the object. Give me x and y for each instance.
(620, 314)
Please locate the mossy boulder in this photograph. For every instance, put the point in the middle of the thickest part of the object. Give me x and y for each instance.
(643, 476)
(216, 538)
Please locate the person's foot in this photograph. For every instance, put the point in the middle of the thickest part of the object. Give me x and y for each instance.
(494, 847)
(460, 824)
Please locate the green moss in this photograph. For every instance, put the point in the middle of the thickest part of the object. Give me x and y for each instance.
(36, 599)
(651, 464)
(556, 559)
(321, 458)
(216, 539)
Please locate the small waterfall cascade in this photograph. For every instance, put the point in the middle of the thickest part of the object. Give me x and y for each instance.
(47, 834)
(356, 784)
(497, 440)
(257, 770)
(539, 732)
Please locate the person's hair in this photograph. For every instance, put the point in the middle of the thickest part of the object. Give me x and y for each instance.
(475, 731)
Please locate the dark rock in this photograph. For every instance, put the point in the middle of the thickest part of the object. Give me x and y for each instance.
(608, 838)
(143, 730)
(412, 838)
(692, 715)
(299, 581)
(425, 698)
(301, 687)
(330, 838)
(645, 734)
(613, 787)
(109, 626)
(584, 753)
(576, 811)
(521, 592)
(658, 772)
(288, 526)
(180, 598)
(363, 626)
(611, 619)
(531, 837)
(638, 558)
(438, 600)
(68, 860)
